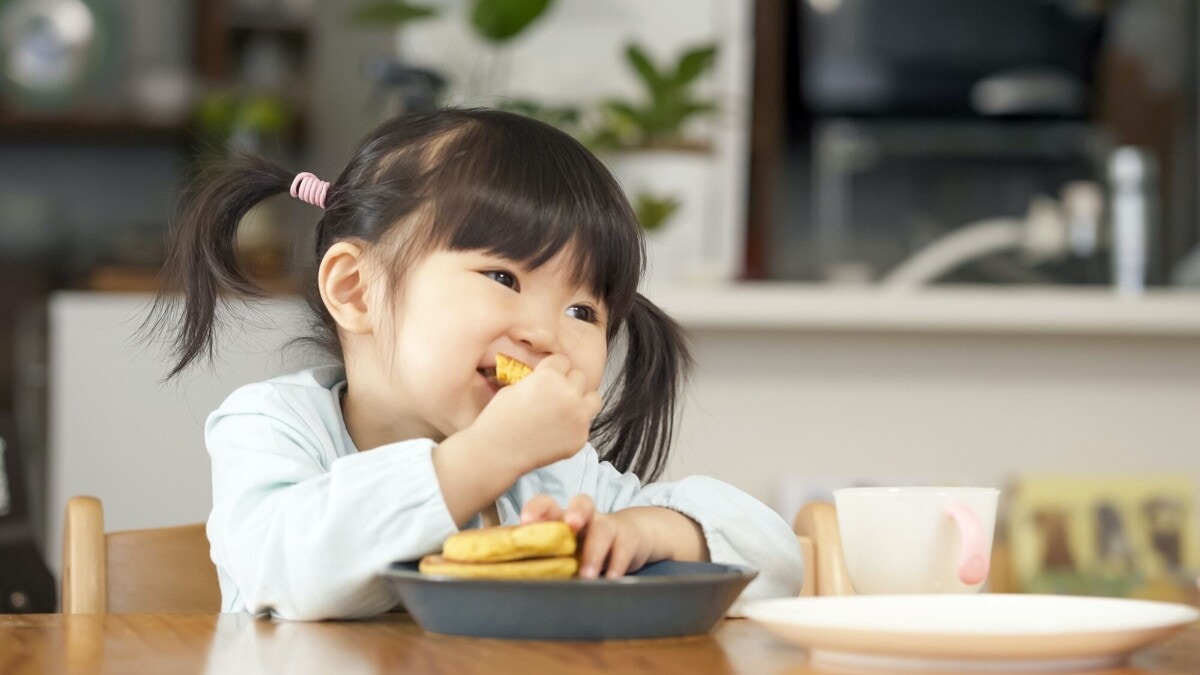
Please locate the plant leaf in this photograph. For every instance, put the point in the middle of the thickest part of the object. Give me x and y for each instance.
(659, 120)
(653, 211)
(392, 13)
(601, 140)
(619, 125)
(622, 109)
(502, 20)
(564, 117)
(694, 63)
(644, 67)
(698, 108)
(627, 121)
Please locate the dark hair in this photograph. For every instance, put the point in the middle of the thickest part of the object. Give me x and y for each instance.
(455, 179)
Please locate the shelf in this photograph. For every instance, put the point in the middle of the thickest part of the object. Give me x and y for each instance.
(781, 306)
(110, 128)
(269, 22)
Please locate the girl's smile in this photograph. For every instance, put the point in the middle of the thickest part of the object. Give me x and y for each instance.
(489, 375)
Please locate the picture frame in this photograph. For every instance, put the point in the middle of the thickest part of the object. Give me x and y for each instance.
(1128, 536)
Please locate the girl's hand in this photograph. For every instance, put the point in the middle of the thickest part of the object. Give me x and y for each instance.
(543, 418)
(625, 540)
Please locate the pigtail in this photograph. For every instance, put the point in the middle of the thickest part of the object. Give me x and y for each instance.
(636, 429)
(202, 261)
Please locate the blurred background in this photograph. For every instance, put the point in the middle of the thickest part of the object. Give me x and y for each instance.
(920, 241)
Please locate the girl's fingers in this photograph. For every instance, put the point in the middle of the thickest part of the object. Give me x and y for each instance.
(556, 362)
(579, 513)
(596, 545)
(578, 380)
(539, 508)
(619, 558)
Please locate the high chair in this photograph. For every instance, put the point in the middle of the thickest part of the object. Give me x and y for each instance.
(161, 570)
(816, 527)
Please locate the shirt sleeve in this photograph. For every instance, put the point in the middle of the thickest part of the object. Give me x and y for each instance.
(304, 542)
(738, 529)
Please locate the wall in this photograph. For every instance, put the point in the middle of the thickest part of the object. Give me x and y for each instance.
(786, 415)
(118, 432)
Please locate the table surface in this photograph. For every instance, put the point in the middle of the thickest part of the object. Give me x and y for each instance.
(238, 643)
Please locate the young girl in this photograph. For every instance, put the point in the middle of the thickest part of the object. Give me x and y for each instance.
(451, 236)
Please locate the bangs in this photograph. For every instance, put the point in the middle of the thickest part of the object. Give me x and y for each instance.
(557, 197)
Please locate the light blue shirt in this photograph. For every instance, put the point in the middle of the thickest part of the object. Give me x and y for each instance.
(302, 523)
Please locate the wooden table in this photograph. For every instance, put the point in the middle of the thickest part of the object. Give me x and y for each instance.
(230, 644)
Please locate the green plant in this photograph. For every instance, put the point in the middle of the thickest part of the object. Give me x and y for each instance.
(496, 21)
(391, 13)
(227, 119)
(502, 20)
(653, 211)
(670, 102)
(566, 118)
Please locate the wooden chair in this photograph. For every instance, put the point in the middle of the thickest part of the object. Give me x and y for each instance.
(162, 570)
(816, 526)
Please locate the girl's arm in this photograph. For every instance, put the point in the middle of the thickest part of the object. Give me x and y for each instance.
(302, 534)
(672, 535)
(543, 419)
(472, 473)
(736, 528)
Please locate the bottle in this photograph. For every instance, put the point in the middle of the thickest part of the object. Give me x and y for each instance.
(1133, 185)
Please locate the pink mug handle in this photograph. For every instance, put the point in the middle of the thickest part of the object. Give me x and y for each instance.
(973, 563)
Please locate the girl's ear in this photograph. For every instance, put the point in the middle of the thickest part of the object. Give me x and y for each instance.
(343, 280)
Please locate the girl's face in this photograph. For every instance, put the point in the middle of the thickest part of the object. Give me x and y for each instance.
(456, 310)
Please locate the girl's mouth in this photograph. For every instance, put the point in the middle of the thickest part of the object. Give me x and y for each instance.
(489, 374)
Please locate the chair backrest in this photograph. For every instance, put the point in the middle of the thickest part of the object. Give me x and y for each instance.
(161, 570)
(816, 526)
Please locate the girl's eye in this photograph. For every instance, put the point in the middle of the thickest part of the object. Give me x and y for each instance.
(583, 313)
(503, 278)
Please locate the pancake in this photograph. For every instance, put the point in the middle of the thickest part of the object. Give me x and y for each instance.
(510, 370)
(510, 542)
(561, 567)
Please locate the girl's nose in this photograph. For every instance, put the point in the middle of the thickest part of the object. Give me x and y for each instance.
(536, 333)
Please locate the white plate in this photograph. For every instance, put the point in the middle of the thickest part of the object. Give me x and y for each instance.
(970, 632)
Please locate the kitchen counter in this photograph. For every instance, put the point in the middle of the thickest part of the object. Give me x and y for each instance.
(779, 306)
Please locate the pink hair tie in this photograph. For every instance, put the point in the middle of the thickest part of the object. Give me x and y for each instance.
(309, 188)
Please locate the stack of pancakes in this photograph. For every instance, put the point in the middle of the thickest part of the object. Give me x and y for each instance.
(534, 551)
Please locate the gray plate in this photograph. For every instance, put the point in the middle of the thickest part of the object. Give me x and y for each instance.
(664, 599)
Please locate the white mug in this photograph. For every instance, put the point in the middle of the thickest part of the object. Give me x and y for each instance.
(916, 539)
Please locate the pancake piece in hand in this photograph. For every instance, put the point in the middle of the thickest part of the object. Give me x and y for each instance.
(562, 567)
(510, 542)
(509, 370)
